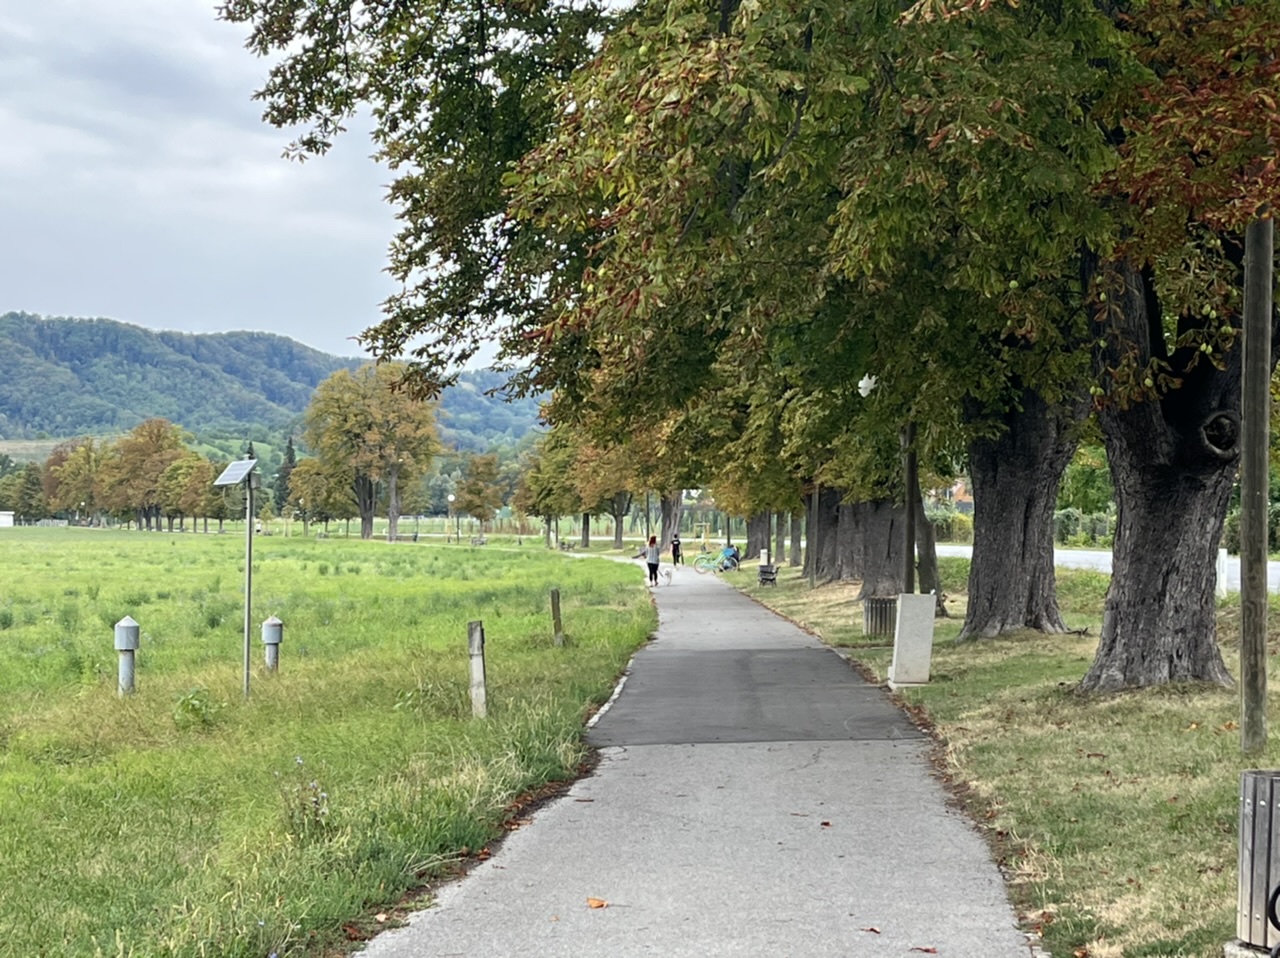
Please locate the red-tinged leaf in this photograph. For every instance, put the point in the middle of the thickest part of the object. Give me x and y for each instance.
(871, 928)
(825, 824)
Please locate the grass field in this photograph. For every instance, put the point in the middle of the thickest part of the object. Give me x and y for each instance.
(1115, 817)
(184, 821)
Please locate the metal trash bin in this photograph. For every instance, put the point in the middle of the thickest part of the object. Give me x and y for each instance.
(1259, 874)
(879, 615)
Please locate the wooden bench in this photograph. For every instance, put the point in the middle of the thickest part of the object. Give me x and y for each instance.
(768, 575)
(479, 541)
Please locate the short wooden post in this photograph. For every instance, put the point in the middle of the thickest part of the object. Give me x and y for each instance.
(556, 624)
(475, 647)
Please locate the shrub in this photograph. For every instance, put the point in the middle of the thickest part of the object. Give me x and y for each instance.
(1066, 524)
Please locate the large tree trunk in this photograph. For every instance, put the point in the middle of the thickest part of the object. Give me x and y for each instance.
(1015, 480)
(758, 532)
(779, 554)
(621, 505)
(363, 489)
(1172, 464)
(393, 504)
(670, 507)
(797, 532)
(586, 530)
(882, 528)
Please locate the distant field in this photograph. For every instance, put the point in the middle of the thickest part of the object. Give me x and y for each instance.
(28, 450)
(184, 821)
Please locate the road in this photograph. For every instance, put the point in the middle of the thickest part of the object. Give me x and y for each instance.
(1101, 561)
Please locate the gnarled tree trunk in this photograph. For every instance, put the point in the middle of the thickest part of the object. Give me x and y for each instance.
(1173, 461)
(881, 524)
(586, 530)
(758, 532)
(1015, 480)
(797, 532)
(363, 489)
(779, 554)
(670, 506)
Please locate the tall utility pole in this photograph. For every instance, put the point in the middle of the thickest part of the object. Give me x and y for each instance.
(1256, 409)
(811, 541)
(911, 479)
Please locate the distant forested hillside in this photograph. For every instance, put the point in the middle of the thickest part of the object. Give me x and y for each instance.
(61, 378)
(471, 420)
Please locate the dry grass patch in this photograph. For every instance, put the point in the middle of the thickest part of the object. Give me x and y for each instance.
(1114, 817)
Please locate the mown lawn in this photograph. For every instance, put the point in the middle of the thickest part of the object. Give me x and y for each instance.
(185, 821)
(1115, 817)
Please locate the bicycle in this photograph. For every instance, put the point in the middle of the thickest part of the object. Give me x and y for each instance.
(722, 561)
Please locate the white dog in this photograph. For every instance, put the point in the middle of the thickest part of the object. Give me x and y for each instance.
(666, 574)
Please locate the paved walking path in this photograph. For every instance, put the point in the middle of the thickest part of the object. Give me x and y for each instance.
(754, 798)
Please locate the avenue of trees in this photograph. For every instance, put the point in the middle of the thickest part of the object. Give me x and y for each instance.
(706, 230)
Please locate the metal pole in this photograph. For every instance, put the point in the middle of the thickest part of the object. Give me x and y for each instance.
(248, 572)
(911, 479)
(1255, 402)
(812, 542)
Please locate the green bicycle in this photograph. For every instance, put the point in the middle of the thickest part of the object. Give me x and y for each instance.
(726, 560)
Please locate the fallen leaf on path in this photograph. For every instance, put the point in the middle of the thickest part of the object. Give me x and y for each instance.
(825, 824)
(380, 916)
(1229, 726)
(597, 903)
(871, 928)
(1192, 727)
(927, 951)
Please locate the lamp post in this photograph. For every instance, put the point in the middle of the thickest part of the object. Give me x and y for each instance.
(452, 498)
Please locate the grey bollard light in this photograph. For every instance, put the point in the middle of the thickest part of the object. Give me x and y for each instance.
(126, 645)
(272, 636)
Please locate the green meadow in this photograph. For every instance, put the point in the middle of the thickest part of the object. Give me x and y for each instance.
(183, 820)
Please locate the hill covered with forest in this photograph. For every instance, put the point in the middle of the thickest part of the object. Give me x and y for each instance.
(63, 377)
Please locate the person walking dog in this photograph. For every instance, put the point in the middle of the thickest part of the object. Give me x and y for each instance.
(651, 557)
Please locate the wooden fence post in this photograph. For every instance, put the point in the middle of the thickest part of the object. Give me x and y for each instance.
(475, 647)
(556, 624)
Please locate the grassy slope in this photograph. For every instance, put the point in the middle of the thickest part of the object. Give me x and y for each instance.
(183, 821)
(1115, 817)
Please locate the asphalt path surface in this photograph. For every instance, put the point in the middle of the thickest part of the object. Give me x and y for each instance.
(754, 797)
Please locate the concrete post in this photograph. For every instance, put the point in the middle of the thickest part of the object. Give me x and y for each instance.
(272, 636)
(475, 648)
(126, 644)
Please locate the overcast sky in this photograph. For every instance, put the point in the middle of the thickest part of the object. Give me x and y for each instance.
(139, 183)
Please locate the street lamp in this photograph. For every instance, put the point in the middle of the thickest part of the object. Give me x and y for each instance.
(457, 521)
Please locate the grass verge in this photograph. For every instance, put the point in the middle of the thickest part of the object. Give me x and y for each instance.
(184, 821)
(1114, 817)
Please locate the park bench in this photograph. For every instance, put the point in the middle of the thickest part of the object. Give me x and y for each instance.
(479, 541)
(768, 575)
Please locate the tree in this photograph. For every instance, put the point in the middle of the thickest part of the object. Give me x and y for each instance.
(184, 487)
(457, 92)
(77, 477)
(29, 502)
(132, 467)
(362, 419)
(479, 494)
(280, 489)
(322, 493)
(546, 488)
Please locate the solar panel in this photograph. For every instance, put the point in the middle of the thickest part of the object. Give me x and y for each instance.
(236, 472)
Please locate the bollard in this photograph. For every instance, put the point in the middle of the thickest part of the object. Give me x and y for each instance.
(272, 636)
(555, 617)
(475, 647)
(126, 645)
